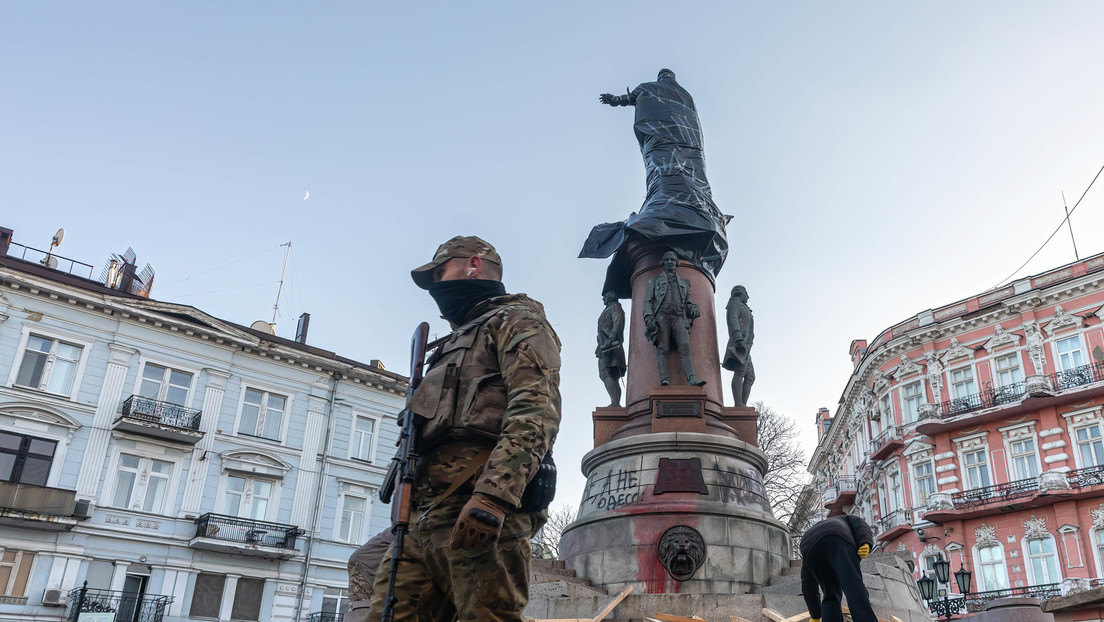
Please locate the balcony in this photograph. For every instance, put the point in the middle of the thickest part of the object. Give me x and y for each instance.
(323, 616)
(997, 403)
(840, 494)
(242, 536)
(883, 445)
(38, 507)
(141, 415)
(119, 606)
(894, 525)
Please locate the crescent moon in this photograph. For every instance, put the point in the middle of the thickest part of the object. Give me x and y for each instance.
(307, 195)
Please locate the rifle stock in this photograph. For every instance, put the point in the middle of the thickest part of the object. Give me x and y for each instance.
(403, 467)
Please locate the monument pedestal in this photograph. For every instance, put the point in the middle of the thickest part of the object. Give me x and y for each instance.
(642, 485)
(675, 408)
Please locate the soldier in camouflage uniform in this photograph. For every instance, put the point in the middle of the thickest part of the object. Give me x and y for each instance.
(490, 402)
(364, 564)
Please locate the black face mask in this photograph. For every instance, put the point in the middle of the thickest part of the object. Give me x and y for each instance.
(456, 298)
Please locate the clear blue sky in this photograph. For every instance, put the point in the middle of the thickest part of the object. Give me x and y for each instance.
(880, 159)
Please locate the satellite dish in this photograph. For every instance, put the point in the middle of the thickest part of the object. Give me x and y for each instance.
(50, 262)
(263, 326)
(58, 237)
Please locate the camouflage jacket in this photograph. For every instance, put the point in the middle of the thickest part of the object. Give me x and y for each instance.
(493, 385)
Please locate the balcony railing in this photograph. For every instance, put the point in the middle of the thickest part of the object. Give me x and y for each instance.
(323, 616)
(245, 531)
(989, 397)
(126, 606)
(896, 518)
(37, 499)
(887, 435)
(1000, 492)
(844, 484)
(161, 413)
(1085, 374)
(1089, 476)
(976, 601)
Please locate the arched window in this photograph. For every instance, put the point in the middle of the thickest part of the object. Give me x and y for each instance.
(1043, 561)
(994, 575)
(1098, 541)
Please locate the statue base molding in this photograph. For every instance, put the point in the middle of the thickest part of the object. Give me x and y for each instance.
(674, 408)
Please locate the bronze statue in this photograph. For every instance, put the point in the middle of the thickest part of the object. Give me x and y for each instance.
(737, 356)
(679, 210)
(668, 313)
(611, 348)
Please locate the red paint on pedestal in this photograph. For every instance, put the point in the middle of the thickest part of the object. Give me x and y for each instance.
(647, 527)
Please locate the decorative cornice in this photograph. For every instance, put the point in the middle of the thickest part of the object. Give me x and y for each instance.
(1001, 338)
(1035, 528)
(1061, 319)
(956, 351)
(1098, 516)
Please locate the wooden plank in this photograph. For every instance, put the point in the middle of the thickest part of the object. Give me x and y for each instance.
(666, 617)
(774, 615)
(894, 619)
(801, 617)
(737, 619)
(848, 612)
(608, 608)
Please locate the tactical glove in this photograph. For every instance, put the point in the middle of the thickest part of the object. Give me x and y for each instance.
(814, 619)
(864, 550)
(479, 524)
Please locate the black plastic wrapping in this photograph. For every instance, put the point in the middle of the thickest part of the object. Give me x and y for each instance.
(679, 210)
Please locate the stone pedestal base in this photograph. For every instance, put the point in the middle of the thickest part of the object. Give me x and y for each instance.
(674, 409)
(641, 485)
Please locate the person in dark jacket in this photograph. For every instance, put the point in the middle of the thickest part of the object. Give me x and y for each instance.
(830, 554)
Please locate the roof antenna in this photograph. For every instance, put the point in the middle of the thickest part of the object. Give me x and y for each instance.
(1070, 225)
(276, 307)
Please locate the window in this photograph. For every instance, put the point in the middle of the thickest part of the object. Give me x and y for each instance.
(994, 576)
(49, 365)
(887, 410)
(1043, 561)
(247, 599)
(211, 588)
(25, 459)
(1090, 447)
(207, 595)
(262, 414)
(1098, 538)
(1008, 369)
(335, 600)
(165, 384)
(894, 484)
(1025, 464)
(1069, 353)
(962, 382)
(353, 510)
(15, 571)
(924, 480)
(141, 483)
(977, 468)
(363, 432)
(912, 400)
(247, 497)
(929, 567)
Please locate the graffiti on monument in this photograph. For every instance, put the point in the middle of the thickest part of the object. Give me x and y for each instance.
(613, 490)
(742, 487)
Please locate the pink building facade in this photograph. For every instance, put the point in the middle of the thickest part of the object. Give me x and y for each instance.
(974, 432)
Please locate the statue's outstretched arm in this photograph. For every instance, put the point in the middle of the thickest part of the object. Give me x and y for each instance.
(628, 99)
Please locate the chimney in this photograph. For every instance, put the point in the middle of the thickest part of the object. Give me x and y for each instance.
(5, 241)
(823, 423)
(858, 351)
(301, 328)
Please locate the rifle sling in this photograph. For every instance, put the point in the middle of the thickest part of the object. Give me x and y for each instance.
(464, 476)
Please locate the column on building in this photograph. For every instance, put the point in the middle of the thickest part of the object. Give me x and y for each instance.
(208, 424)
(100, 434)
(303, 513)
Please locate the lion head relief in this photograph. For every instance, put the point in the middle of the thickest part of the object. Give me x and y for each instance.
(681, 551)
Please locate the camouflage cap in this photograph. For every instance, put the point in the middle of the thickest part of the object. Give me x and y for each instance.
(460, 246)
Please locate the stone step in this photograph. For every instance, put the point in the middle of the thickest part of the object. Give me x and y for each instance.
(792, 570)
(563, 589)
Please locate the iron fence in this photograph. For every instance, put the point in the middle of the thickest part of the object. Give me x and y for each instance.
(164, 413)
(61, 264)
(1085, 374)
(323, 616)
(895, 518)
(1089, 476)
(999, 492)
(127, 606)
(976, 601)
(987, 398)
(886, 436)
(38, 499)
(246, 531)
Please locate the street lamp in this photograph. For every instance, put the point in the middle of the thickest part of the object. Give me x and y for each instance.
(942, 573)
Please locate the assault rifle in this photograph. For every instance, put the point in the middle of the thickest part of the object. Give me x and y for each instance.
(399, 481)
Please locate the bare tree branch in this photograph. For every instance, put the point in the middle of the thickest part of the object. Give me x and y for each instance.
(785, 476)
(546, 542)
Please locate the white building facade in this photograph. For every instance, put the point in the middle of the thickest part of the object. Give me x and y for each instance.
(185, 467)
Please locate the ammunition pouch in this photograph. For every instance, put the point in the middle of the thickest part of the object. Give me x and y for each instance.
(541, 490)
